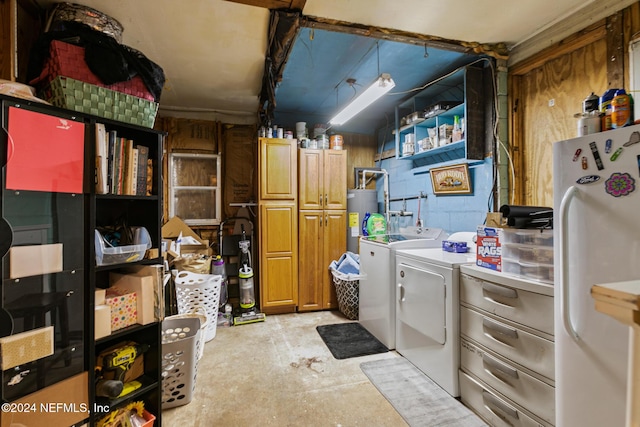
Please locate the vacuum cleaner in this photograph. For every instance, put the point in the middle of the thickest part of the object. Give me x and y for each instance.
(248, 311)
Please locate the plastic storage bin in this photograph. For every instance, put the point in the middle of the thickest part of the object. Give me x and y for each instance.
(528, 236)
(180, 338)
(195, 292)
(106, 255)
(347, 288)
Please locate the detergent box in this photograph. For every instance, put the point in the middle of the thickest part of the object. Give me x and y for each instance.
(489, 251)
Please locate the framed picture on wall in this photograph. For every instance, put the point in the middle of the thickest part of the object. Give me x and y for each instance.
(452, 179)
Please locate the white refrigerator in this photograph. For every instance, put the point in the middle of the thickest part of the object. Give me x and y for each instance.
(596, 185)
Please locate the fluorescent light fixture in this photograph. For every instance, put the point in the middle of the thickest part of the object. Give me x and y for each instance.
(382, 85)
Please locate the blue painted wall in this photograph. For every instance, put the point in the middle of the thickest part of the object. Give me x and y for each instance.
(451, 213)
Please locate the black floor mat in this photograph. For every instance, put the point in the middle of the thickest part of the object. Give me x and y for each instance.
(347, 340)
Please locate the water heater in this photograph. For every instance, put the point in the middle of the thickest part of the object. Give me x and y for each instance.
(359, 202)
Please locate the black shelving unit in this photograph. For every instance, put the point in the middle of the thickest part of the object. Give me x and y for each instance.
(63, 299)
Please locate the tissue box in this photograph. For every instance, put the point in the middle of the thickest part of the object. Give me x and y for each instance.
(452, 246)
(489, 251)
(123, 308)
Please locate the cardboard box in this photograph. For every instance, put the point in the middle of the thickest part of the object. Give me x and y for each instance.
(123, 309)
(143, 287)
(172, 230)
(102, 322)
(156, 272)
(489, 251)
(72, 392)
(175, 226)
(100, 296)
(35, 260)
(25, 347)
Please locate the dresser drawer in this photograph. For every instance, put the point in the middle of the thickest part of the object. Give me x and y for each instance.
(522, 388)
(494, 408)
(531, 351)
(520, 306)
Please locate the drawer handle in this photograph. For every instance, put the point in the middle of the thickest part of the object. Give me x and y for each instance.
(500, 290)
(490, 402)
(500, 329)
(492, 363)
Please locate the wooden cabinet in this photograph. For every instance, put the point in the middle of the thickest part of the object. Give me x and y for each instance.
(278, 225)
(507, 348)
(323, 179)
(322, 240)
(277, 169)
(322, 224)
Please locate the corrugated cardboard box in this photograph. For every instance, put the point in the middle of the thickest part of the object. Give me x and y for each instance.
(172, 230)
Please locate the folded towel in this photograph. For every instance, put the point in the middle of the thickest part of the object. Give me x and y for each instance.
(349, 263)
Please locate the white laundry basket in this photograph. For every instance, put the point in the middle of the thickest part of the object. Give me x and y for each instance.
(180, 336)
(202, 318)
(196, 291)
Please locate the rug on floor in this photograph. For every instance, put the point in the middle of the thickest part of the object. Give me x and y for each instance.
(419, 400)
(346, 340)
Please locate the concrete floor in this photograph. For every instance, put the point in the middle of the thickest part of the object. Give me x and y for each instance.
(280, 373)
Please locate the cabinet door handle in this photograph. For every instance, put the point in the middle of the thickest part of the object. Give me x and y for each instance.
(492, 401)
(326, 220)
(401, 296)
(500, 329)
(499, 290)
(326, 200)
(320, 200)
(491, 363)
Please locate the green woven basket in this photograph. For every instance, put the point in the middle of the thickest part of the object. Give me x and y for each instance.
(84, 97)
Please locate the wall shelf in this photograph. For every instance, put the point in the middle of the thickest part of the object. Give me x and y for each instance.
(465, 87)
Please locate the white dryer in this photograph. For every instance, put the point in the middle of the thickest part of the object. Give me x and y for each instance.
(427, 312)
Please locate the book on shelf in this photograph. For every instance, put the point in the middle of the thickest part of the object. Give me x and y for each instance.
(141, 177)
(127, 166)
(149, 186)
(111, 163)
(102, 159)
(134, 174)
(119, 166)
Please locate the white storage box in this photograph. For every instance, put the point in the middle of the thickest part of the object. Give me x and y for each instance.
(106, 255)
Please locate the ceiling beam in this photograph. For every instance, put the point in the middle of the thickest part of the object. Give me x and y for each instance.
(498, 50)
(274, 4)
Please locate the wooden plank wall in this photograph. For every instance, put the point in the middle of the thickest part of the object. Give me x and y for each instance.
(545, 92)
(361, 150)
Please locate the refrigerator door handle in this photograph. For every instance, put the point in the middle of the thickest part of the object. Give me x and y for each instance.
(567, 198)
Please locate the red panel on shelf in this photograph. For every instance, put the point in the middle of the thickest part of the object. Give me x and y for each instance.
(45, 153)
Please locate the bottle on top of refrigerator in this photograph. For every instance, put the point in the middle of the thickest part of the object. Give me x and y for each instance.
(620, 110)
(605, 108)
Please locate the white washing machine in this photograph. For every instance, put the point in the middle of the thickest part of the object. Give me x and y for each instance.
(427, 312)
(377, 308)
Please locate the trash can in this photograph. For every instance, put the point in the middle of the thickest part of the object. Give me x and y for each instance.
(180, 336)
(347, 288)
(194, 292)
